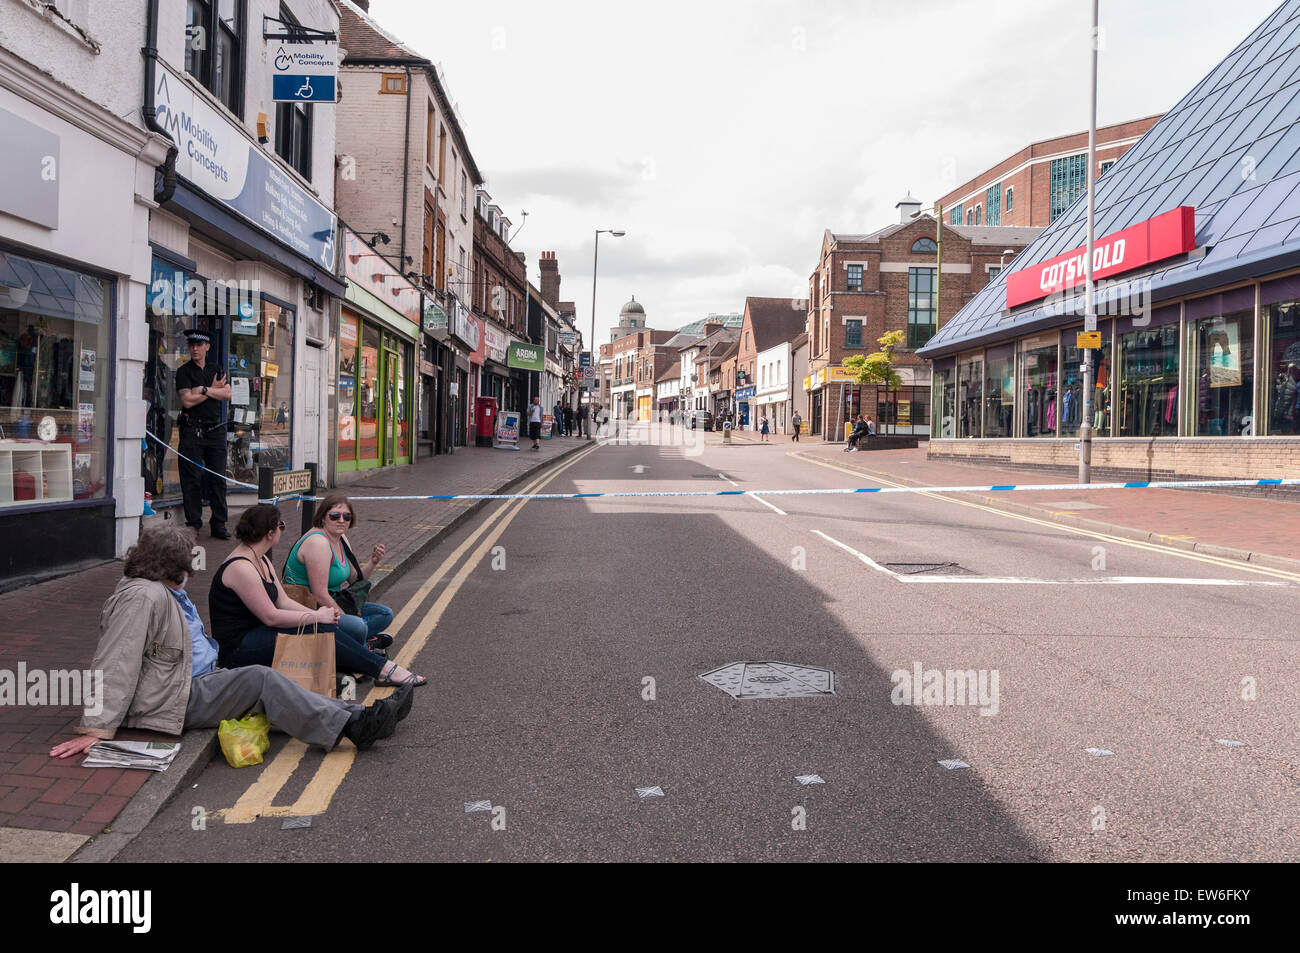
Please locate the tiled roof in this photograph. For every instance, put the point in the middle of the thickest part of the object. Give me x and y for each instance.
(726, 320)
(995, 234)
(361, 36)
(775, 320)
(1230, 149)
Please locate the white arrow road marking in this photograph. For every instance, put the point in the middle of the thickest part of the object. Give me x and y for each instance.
(1029, 581)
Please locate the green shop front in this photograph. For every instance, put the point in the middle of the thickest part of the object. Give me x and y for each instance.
(376, 371)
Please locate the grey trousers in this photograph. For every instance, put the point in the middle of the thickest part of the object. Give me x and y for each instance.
(234, 692)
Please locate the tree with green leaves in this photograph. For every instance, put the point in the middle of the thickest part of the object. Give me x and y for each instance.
(877, 368)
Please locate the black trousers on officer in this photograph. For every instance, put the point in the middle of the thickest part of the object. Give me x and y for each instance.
(208, 448)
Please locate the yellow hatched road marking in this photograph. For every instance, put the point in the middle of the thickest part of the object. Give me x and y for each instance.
(1117, 540)
(316, 797)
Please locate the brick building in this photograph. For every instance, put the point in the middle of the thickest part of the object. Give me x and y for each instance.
(636, 360)
(498, 295)
(768, 322)
(866, 285)
(1035, 185)
(405, 173)
(1198, 369)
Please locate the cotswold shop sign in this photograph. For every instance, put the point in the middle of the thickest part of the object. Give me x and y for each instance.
(1167, 235)
(526, 357)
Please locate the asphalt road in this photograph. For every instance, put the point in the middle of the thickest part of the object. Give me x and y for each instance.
(540, 623)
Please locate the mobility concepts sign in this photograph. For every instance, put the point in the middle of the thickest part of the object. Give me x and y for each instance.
(304, 74)
(1172, 233)
(226, 164)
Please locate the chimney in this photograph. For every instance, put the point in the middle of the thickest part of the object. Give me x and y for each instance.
(550, 276)
(711, 326)
(907, 207)
(363, 4)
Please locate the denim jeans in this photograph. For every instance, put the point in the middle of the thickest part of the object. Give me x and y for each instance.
(350, 655)
(374, 619)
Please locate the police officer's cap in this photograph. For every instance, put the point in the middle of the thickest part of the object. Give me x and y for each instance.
(195, 336)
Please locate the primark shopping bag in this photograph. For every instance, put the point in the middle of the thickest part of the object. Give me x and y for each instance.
(307, 658)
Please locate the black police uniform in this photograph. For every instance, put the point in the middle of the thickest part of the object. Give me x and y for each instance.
(203, 440)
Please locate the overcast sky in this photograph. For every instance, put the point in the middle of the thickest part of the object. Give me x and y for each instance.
(726, 136)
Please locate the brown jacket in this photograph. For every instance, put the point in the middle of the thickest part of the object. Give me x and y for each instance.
(146, 656)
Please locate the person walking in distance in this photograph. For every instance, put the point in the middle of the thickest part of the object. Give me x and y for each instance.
(202, 387)
(796, 421)
(584, 425)
(568, 421)
(535, 423)
(557, 419)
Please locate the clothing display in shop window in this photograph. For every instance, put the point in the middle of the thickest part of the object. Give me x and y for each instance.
(1171, 405)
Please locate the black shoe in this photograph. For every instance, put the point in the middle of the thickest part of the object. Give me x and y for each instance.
(381, 641)
(220, 532)
(370, 724)
(400, 701)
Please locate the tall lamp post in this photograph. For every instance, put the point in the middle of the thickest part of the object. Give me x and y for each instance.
(595, 262)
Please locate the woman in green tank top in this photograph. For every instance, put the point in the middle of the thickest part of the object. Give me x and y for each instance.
(322, 561)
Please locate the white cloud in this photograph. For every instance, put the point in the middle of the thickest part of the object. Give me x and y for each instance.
(726, 135)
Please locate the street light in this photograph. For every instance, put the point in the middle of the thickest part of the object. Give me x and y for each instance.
(595, 262)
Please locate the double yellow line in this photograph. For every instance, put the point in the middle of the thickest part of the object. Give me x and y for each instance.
(258, 800)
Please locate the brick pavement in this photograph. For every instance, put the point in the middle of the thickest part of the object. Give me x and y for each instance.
(1184, 517)
(55, 625)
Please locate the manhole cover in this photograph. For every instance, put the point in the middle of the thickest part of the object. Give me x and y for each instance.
(771, 680)
(941, 569)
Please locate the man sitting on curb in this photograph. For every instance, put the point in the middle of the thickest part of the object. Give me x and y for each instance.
(160, 667)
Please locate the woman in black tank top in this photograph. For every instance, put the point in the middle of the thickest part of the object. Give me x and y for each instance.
(248, 611)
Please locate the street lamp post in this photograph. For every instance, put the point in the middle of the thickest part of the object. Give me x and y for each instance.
(595, 262)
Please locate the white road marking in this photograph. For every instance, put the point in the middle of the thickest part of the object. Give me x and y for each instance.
(953, 764)
(1099, 752)
(1029, 581)
(767, 504)
(807, 779)
(728, 479)
(655, 791)
(1229, 743)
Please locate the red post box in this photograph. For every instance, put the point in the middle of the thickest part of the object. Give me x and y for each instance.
(485, 420)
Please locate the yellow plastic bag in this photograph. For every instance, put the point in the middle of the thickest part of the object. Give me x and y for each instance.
(244, 740)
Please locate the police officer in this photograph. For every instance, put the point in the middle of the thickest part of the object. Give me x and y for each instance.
(202, 387)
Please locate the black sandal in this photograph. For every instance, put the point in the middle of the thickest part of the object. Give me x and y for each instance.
(382, 681)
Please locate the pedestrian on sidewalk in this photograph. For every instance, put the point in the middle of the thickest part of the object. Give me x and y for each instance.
(584, 421)
(568, 421)
(763, 429)
(202, 387)
(797, 422)
(557, 419)
(535, 423)
(161, 674)
(323, 562)
(249, 608)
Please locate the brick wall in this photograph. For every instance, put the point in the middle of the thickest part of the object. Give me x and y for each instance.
(1119, 458)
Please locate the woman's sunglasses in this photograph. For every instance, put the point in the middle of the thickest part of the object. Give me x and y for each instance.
(282, 526)
(345, 517)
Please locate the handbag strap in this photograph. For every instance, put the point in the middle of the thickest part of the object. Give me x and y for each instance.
(347, 551)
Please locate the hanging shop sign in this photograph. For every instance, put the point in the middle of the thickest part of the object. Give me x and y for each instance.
(220, 158)
(305, 73)
(435, 318)
(745, 393)
(469, 329)
(526, 357)
(568, 339)
(1172, 233)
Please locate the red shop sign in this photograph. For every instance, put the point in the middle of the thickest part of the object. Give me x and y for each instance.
(1171, 233)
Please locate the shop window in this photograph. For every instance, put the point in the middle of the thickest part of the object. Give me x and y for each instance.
(55, 379)
(1147, 402)
(1283, 323)
(260, 368)
(999, 394)
(349, 331)
(368, 397)
(970, 385)
(1070, 409)
(945, 401)
(1224, 358)
(214, 48)
(1044, 400)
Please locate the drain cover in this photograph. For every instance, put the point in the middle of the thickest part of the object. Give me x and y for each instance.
(943, 569)
(771, 680)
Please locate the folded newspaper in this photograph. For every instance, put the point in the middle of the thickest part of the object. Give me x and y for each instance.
(147, 755)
